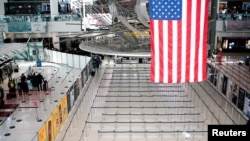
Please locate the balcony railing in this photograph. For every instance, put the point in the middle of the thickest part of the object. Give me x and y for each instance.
(39, 18)
(231, 16)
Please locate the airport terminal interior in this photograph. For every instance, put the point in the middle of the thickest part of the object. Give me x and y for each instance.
(79, 70)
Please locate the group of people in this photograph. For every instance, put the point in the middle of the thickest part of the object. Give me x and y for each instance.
(25, 83)
(34, 81)
(96, 62)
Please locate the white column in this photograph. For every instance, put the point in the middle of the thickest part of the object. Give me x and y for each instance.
(2, 7)
(54, 8)
(56, 43)
(83, 16)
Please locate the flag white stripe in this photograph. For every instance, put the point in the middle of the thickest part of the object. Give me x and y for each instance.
(184, 42)
(156, 50)
(193, 40)
(201, 51)
(165, 51)
(174, 51)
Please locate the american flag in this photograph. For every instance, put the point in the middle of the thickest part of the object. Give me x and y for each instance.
(178, 41)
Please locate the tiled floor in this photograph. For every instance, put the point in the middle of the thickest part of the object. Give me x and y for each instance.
(34, 109)
(128, 107)
(119, 104)
(125, 106)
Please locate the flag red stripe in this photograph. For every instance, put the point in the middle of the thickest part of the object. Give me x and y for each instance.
(188, 47)
(170, 51)
(152, 69)
(205, 41)
(161, 59)
(197, 41)
(179, 48)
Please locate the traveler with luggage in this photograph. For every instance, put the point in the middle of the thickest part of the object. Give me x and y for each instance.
(23, 86)
(40, 80)
(12, 89)
(34, 81)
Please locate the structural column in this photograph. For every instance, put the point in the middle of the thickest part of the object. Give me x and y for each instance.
(54, 8)
(2, 12)
(56, 43)
(212, 24)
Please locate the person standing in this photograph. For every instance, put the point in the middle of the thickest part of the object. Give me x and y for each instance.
(220, 56)
(1, 75)
(24, 89)
(249, 65)
(34, 81)
(1, 96)
(23, 78)
(94, 65)
(9, 71)
(12, 89)
(40, 81)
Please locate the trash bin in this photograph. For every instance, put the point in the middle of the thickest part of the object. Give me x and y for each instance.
(246, 60)
(92, 73)
(140, 60)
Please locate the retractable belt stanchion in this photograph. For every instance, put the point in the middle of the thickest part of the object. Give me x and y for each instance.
(18, 115)
(7, 133)
(35, 104)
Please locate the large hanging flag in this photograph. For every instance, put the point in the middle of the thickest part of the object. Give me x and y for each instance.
(178, 30)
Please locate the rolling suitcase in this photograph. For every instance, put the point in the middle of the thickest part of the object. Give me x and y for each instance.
(45, 85)
(93, 73)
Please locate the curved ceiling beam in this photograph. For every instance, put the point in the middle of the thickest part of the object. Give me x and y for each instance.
(123, 20)
(113, 9)
(107, 51)
(142, 14)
